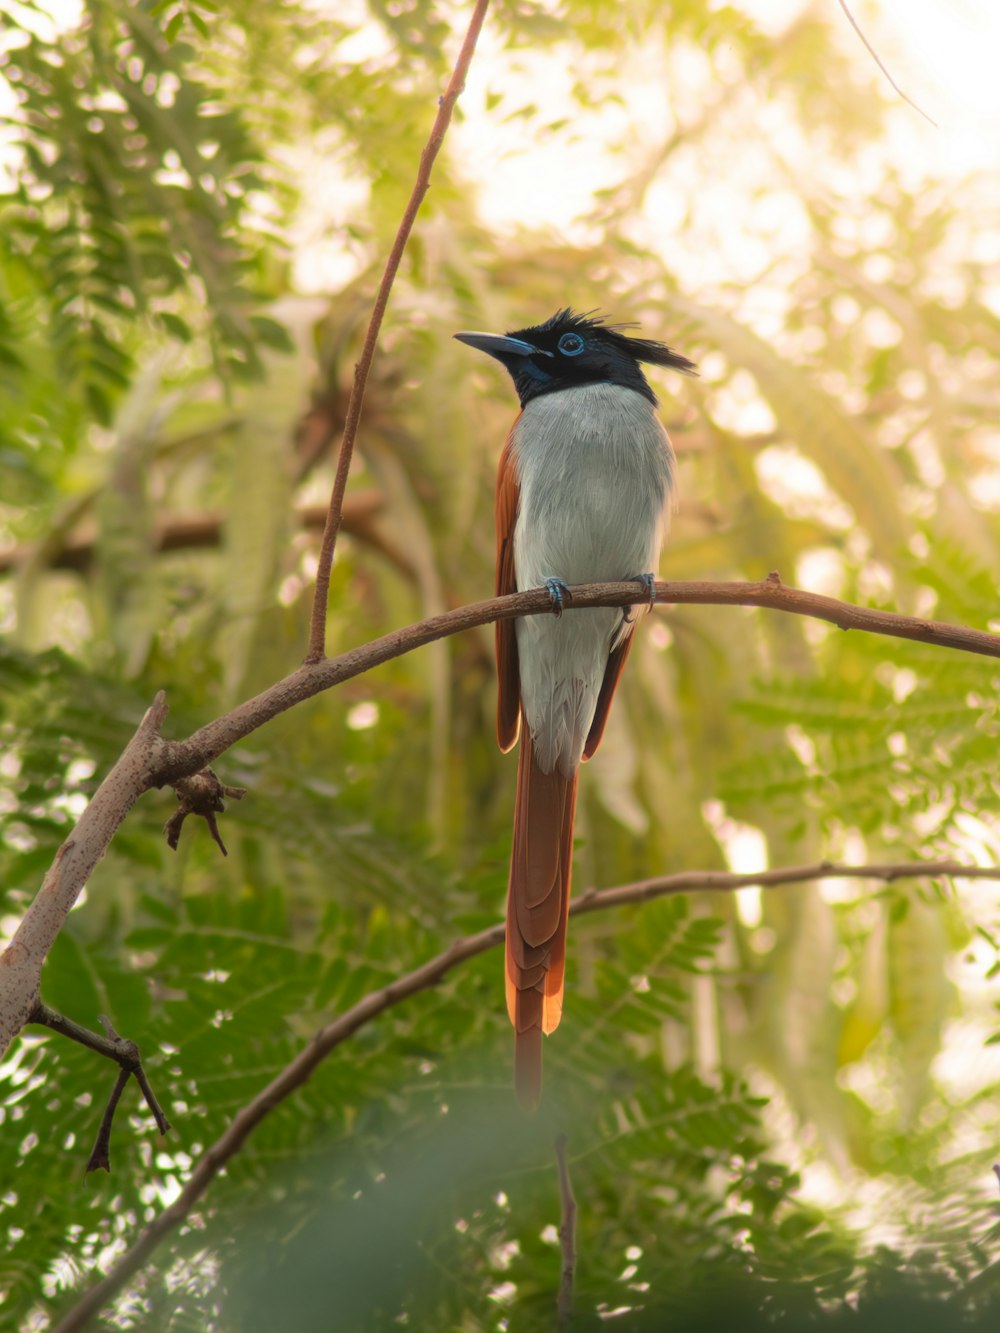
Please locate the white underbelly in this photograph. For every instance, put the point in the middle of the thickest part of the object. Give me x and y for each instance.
(595, 472)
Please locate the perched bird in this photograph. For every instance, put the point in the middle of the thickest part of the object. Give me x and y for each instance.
(582, 492)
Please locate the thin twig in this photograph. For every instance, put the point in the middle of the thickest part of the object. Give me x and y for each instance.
(875, 56)
(100, 1157)
(567, 1238)
(131, 1062)
(725, 881)
(446, 104)
(301, 1068)
(109, 1047)
(149, 1097)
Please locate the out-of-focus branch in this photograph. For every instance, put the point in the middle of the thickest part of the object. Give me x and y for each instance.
(875, 56)
(446, 105)
(334, 1034)
(192, 532)
(567, 1238)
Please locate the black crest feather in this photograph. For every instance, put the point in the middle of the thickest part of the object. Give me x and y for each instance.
(591, 321)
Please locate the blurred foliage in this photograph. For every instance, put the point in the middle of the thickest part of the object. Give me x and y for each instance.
(782, 1105)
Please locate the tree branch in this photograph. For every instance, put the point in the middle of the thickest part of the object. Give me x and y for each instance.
(182, 758)
(100, 1154)
(334, 1034)
(567, 1238)
(191, 532)
(149, 761)
(21, 962)
(446, 104)
(124, 1053)
(875, 56)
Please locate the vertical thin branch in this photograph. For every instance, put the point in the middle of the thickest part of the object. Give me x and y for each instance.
(446, 105)
(567, 1238)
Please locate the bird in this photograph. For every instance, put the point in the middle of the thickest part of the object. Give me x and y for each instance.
(583, 489)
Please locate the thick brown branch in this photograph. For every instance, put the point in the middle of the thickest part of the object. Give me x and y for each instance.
(180, 758)
(446, 105)
(327, 1039)
(21, 962)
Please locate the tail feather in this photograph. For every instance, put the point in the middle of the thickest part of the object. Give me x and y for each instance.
(537, 908)
(528, 1067)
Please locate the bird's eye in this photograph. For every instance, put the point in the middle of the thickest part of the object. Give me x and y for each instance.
(571, 344)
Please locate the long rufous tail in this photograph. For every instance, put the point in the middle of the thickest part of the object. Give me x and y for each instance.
(537, 907)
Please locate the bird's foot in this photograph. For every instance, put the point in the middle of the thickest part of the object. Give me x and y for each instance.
(648, 582)
(559, 595)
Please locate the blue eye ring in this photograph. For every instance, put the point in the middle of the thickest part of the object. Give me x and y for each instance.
(571, 344)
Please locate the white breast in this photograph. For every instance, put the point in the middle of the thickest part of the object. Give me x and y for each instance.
(596, 471)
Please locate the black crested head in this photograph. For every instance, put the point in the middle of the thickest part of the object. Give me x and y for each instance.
(569, 350)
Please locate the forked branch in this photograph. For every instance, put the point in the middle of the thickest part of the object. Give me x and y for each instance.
(149, 761)
(126, 1056)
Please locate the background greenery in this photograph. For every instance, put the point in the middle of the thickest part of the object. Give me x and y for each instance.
(785, 1108)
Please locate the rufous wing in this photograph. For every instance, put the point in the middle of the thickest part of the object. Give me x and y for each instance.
(612, 674)
(508, 671)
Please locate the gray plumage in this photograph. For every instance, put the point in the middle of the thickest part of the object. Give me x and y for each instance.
(596, 473)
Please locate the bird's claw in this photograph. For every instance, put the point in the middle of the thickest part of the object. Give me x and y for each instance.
(648, 582)
(559, 595)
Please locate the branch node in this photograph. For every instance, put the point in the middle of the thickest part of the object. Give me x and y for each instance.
(201, 794)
